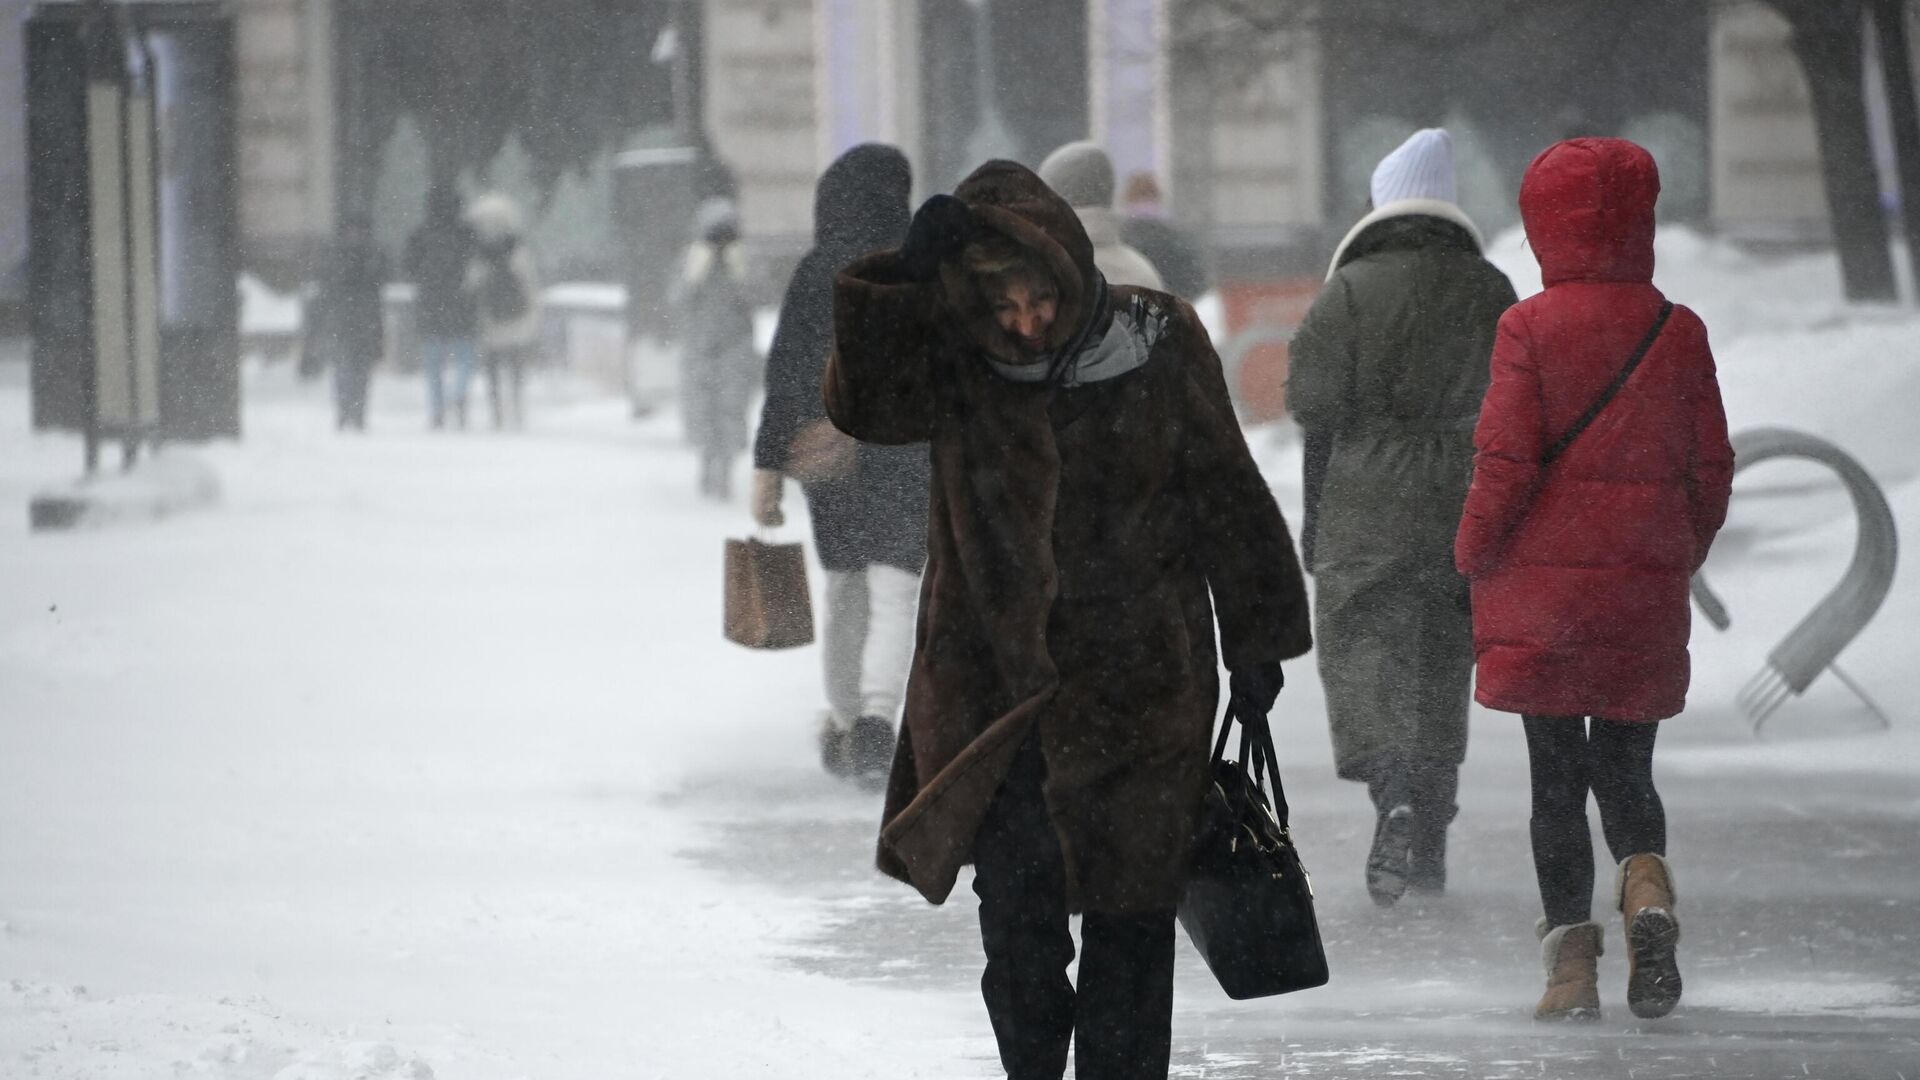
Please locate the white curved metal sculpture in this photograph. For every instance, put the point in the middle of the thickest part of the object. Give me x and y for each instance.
(1812, 646)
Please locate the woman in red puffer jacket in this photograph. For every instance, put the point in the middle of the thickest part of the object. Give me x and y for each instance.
(1580, 564)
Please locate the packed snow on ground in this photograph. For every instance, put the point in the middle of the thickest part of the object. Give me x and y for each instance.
(377, 768)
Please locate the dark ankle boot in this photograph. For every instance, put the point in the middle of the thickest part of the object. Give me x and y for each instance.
(1433, 811)
(1387, 869)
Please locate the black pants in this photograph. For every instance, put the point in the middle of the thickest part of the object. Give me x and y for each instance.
(1120, 1019)
(1615, 762)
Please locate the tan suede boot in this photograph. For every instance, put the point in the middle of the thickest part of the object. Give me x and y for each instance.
(1643, 889)
(1571, 954)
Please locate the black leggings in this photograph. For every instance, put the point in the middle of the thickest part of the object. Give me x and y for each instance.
(1615, 762)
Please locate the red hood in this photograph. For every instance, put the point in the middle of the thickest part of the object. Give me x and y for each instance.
(1588, 209)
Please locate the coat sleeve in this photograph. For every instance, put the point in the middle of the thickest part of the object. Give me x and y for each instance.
(1710, 464)
(1507, 442)
(795, 361)
(1319, 381)
(1320, 360)
(879, 386)
(1240, 538)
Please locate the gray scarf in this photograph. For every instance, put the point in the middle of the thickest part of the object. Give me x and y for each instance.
(1126, 345)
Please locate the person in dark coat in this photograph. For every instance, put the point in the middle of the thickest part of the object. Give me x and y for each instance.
(445, 313)
(1144, 226)
(1095, 508)
(352, 315)
(868, 503)
(1580, 567)
(1386, 376)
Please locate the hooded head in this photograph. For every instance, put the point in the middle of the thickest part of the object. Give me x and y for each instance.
(1588, 208)
(1081, 173)
(1008, 199)
(1420, 168)
(496, 217)
(860, 204)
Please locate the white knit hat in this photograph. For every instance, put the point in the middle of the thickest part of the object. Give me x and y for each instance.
(1081, 173)
(1421, 168)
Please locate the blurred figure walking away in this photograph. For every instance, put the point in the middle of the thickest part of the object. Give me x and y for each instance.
(506, 290)
(1092, 490)
(350, 311)
(1601, 476)
(1082, 174)
(718, 366)
(1144, 226)
(868, 503)
(1386, 377)
(437, 258)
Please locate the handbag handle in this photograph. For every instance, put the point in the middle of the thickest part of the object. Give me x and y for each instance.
(1257, 756)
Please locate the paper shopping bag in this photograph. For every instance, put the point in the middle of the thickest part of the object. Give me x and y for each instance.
(768, 606)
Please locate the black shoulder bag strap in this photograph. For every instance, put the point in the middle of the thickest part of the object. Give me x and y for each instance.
(1606, 396)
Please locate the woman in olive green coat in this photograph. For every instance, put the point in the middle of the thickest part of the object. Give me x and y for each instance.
(1386, 377)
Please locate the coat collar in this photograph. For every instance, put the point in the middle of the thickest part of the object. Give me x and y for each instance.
(1445, 211)
(1102, 224)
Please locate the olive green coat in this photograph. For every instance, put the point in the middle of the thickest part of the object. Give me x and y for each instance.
(1386, 377)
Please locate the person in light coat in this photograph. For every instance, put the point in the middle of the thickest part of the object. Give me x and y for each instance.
(1082, 174)
(719, 369)
(506, 288)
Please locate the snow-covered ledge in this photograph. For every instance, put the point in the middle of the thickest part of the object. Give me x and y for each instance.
(160, 485)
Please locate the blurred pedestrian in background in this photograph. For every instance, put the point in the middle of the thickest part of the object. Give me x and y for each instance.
(349, 313)
(1587, 518)
(868, 503)
(719, 369)
(1386, 377)
(1082, 174)
(506, 288)
(1144, 225)
(444, 311)
(1091, 488)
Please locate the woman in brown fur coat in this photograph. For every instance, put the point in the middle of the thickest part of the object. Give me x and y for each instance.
(1091, 488)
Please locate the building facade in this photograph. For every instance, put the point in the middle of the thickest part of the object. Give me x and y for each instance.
(1261, 143)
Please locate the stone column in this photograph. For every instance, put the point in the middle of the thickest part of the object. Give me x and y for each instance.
(1127, 44)
(286, 108)
(868, 84)
(1765, 154)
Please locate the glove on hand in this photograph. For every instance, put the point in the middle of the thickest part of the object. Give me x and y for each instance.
(1253, 691)
(940, 228)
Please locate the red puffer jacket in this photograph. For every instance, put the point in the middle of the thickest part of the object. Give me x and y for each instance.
(1580, 568)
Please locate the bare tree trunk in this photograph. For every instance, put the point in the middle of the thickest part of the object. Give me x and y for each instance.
(1827, 38)
(1896, 60)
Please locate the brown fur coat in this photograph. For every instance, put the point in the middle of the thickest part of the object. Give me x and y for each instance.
(1074, 537)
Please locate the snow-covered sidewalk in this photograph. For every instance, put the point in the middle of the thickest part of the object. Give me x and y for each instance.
(373, 755)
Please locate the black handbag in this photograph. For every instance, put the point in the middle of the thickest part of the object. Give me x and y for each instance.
(1248, 904)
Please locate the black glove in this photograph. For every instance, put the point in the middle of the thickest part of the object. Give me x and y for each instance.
(1252, 691)
(940, 228)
